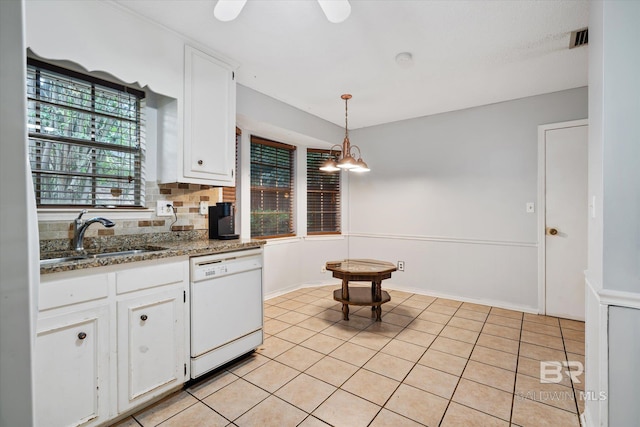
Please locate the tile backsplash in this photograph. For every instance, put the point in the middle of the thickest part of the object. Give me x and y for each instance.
(186, 199)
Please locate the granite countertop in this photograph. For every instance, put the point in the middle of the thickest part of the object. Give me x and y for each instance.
(157, 250)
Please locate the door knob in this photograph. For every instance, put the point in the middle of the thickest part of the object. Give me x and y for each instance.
(553, 231)
(82, 335)
(143, 317)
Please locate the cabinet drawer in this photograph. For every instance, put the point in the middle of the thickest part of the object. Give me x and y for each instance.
(150, 276)
(72, 290)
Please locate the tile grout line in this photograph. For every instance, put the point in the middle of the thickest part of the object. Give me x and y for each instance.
(573, 388)
(515, 374)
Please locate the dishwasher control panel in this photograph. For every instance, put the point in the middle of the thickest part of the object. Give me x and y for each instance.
(220, 265)
(214, 270)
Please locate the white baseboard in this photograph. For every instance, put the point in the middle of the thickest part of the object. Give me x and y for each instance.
(499, 304)
(297, 286)
(493, 303)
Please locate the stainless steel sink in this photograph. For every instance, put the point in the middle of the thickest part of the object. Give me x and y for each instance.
(123, 253)
(68, 257)
(62, 259)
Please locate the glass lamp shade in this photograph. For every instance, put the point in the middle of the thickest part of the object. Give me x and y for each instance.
(347, 162)
(361, 166)
(329, 165)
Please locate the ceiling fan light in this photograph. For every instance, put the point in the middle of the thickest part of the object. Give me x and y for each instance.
(228, 10)
(336, 11)
(329, 165)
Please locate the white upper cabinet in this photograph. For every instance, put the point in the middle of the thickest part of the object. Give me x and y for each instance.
(209, 120)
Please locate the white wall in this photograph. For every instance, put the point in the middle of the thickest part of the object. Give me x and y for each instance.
(613, 275)
(447, 193)
(621, 147)
(269, 117)
(18, 228)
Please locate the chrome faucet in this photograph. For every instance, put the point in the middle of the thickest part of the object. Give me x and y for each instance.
(80, 226)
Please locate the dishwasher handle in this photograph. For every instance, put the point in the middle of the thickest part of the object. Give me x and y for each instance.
(217, 261)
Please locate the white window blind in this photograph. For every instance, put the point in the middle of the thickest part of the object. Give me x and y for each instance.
(86, 139)
(323, 195)
(271, 188)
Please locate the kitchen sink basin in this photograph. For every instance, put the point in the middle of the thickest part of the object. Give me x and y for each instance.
(62, 259)
(58, 257)
(123, 253)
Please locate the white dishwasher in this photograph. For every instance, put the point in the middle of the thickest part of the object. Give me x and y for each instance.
(226, 308)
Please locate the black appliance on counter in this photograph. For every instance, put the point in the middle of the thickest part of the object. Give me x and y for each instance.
(221, 223)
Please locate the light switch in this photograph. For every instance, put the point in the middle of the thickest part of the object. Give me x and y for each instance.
(531, 207)
(204, 207)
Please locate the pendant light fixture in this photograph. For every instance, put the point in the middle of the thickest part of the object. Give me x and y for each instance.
(336, 11)
(345, 159)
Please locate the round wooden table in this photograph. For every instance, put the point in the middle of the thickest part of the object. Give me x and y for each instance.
(361, 270)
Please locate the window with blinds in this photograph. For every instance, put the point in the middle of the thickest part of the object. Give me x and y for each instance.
(229, 193)
(86, 139)
(271, 188)
(323, 195)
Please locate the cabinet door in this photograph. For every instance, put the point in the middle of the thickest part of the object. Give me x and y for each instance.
(72, 369)
(209, 118)
(151, 355)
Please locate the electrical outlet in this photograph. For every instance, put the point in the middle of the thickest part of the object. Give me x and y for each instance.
(164, 208)
(400, 265)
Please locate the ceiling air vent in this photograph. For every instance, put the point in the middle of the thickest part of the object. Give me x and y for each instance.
(579, 38)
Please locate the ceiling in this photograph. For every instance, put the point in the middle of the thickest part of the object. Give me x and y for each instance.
(466, 53)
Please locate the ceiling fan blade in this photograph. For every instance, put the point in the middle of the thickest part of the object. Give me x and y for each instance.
(228, 10)
(336, 11)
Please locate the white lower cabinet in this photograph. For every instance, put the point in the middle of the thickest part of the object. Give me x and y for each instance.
(108, 340)
(150, 346)
(72, 368)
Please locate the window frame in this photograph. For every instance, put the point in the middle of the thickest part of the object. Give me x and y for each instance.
(338, 205)
(257, 140)
(136, 152)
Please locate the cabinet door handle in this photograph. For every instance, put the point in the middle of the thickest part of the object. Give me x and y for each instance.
(82, 336)
(200, 162)
(143, 317)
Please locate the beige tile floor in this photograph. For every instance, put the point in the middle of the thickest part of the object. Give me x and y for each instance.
(431, 361)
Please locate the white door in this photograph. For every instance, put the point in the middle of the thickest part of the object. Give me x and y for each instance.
(566, 203)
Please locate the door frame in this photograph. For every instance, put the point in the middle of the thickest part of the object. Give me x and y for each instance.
(542, 208)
